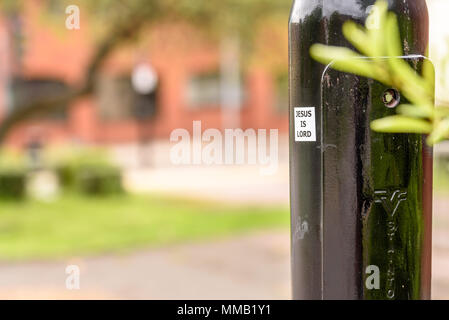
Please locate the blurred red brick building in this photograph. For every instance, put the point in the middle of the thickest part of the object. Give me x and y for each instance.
(39, 56)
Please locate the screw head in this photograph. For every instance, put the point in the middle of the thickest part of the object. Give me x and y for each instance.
(391, 98)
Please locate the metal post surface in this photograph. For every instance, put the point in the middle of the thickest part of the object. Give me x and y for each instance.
(358, 199)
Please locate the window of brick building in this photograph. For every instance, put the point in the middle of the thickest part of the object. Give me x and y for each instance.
(26, 91)
(204, 90)
(117, 100)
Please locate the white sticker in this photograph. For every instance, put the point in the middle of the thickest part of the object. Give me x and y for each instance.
(305, 126)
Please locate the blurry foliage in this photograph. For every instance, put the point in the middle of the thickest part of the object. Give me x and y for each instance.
(223, 16)
(86, 170)
(219, 17)
(13, 174)
(12, 185)
(9, 7)
(271, 45)
(379, 58)
(99, 180)
(12, 161)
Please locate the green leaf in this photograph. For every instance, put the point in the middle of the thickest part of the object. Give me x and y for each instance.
(429, 73)
(413, 87)
(401, 124)
(359, 38)
(416, 89)
(416, 111)
(376, 32)
(343, 59)
(375, 20)
(392, 37)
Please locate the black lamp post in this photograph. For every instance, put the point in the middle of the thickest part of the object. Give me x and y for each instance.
(361, 202)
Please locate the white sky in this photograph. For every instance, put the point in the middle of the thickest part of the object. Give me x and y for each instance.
(439, 23)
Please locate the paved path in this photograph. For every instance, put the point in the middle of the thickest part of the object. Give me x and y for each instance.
(233, 183)
(250, 267)
(236, 183)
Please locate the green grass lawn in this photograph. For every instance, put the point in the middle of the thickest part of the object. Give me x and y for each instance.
(75, 225)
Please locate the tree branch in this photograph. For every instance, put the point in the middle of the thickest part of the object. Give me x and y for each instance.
(62, 100)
